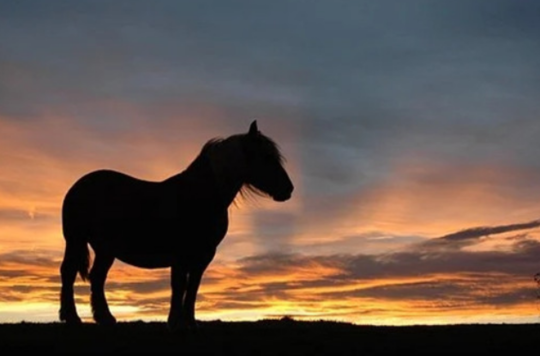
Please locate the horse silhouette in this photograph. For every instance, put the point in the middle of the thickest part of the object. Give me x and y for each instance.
(176, 223)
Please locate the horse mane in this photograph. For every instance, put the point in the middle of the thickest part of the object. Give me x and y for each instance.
(264, 143)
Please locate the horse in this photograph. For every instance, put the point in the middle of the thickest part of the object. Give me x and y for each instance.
(174, 223)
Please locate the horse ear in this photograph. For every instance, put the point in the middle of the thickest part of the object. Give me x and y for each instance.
(253, 130)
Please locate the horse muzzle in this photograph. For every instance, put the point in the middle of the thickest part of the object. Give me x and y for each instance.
(284, 196)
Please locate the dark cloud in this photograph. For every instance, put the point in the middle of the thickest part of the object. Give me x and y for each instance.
(30, 258)
(434, 291)
(448, 293)
(476, 232)
(471, 236)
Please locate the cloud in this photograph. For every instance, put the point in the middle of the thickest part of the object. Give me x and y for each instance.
(476, 232)
(472, 236)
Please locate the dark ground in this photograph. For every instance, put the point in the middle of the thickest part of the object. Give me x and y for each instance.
(273, 338)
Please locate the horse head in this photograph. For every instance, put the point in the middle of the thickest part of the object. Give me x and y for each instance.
(264, 166)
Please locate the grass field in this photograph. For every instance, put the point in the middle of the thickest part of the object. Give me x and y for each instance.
(273, 338)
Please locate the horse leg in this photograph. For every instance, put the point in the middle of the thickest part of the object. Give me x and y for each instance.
(194, 281)
(176, 318)
(195, 275)
(98, 275)
(68, 273)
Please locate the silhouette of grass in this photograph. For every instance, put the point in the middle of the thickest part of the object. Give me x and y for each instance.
(270, 338)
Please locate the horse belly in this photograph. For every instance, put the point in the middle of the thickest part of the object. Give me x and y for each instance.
(146, 260)
(138, 243)
(158, 243)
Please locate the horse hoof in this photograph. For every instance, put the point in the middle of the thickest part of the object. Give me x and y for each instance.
(71, 319)
(106, 320)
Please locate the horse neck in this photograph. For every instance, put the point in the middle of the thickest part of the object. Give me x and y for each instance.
(228, 165)
(221, 169)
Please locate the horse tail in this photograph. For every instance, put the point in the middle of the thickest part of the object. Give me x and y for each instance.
(77, 231)
(77, 255)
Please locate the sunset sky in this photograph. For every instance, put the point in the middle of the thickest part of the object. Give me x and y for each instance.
(411, 131)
